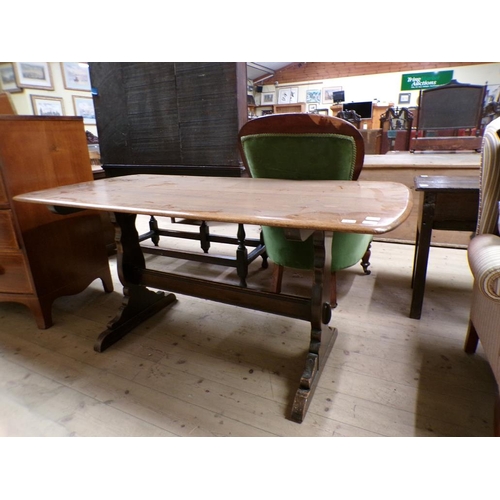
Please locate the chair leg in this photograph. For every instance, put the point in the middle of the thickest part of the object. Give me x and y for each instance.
(471, 340)
(365, 261)
(333, 290)
(277, 278)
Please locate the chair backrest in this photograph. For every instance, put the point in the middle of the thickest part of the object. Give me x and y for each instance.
(396, 119)
(489, 182)
(302, 146)
(350, 116)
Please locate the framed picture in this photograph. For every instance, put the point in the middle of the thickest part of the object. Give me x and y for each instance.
(8, 81)
(267, 98)
(404, 98)
(312, 108)
(84, 106)
(322, 111)
(313, 96)
(33, 75)
(47, 106)
(288, 96)
(267, 112)
(328, 94)
(76, 76)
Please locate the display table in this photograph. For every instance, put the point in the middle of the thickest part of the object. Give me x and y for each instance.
(404, 167)
(302, 208)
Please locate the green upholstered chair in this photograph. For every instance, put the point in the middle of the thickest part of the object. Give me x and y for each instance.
(306, 147)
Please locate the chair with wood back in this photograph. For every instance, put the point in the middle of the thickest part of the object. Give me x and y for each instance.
(350, 116)
(306, 147)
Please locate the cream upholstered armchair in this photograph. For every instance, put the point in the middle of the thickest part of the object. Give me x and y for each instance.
(484, 260)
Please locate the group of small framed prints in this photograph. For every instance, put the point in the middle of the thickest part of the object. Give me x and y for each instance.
(14, 77)
(289, 95)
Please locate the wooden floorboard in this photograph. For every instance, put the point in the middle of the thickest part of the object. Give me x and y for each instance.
(206, 369)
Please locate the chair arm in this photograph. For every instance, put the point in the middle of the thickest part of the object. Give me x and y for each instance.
(484, 261)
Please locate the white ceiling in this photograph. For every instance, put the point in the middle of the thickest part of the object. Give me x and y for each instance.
(256, 70)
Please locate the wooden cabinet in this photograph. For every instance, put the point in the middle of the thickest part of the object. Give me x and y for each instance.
(299, 107)
(366, 123)
(42, 255)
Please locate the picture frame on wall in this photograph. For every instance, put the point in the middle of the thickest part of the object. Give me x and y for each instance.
(312, 108)
(404, 98)
(328, 94)
(288, 95)
(84, 107)
(33, 75)
(313, 95)
(322, 111)
(47, 106)
(76, 76)
(267, 98)
(8, 82)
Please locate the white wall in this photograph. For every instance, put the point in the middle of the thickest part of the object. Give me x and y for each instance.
(23, 104)
(386, 87)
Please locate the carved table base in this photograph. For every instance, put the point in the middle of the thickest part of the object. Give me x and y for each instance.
(140, 303)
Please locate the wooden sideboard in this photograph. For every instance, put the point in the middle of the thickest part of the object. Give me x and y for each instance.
(366, 123)
(43, 255)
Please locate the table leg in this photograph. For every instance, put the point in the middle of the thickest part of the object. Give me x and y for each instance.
(204, 237)
(139, 303)
(153, 227)
(322, 337)
(422, 254)
(242, 256)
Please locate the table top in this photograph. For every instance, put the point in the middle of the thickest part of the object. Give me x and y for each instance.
(349, 206)
(423, 160)
(445, 183)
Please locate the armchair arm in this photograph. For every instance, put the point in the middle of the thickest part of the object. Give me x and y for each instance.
(484, 260)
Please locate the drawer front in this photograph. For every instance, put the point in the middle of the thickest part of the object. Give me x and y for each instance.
(14, 277)
(8, 238)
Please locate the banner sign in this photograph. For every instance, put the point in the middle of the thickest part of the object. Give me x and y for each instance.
(418, 81)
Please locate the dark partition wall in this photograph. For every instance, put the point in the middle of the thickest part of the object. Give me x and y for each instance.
(169, 113)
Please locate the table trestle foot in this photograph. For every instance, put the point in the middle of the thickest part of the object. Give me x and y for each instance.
(139, 304)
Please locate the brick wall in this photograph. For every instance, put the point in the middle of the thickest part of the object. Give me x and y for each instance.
(303, 72)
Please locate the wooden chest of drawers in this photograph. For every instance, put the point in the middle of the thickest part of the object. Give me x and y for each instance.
(42, 255)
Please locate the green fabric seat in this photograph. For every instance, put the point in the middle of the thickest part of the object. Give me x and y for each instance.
(305, 147)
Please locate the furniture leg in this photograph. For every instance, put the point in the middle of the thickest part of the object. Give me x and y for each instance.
(471, 340)
(365, 261)
(265, 264)
(415, 253)
(277, 278)
(204, 236)
(422, 255)
(496, 417)
(333, 289)
(242, 256)
(153, 227)
(322, 337)
(139, 303)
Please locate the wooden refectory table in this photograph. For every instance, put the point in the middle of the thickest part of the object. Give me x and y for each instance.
(303, 208)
